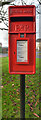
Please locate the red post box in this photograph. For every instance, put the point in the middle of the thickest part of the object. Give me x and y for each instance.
(22, 39)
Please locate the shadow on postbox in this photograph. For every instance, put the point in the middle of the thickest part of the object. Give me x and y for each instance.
(22, 39)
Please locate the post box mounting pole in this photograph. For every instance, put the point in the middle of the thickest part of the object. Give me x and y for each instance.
(22, 96)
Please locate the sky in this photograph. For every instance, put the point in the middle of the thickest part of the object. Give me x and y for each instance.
(4, 34)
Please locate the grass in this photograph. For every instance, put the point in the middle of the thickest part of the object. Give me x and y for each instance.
(11, 92)
(39, 54)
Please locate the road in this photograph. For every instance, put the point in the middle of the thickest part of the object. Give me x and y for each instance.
(3, 55)
(38, 54)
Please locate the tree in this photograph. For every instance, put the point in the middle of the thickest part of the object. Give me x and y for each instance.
(4, 12)
(5, 2)
(39, 1)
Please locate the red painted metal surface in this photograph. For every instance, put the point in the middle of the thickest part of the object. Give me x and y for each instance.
(22, 19)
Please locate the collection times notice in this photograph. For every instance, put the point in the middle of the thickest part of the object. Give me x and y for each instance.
(22, 51)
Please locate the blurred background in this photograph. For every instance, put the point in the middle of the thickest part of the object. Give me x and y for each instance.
(10, 84)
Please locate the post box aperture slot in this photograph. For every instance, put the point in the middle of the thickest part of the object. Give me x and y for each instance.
(22, 51)
(17, 19)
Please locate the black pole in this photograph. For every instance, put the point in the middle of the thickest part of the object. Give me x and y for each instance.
(22, 96)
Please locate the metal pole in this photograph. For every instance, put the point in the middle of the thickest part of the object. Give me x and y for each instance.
(22, 96)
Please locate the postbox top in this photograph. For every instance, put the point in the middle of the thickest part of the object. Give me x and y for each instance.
(26, 10)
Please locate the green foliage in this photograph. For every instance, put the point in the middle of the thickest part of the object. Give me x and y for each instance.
(0, 49)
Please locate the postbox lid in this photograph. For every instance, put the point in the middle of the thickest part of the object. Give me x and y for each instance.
(27, 10)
